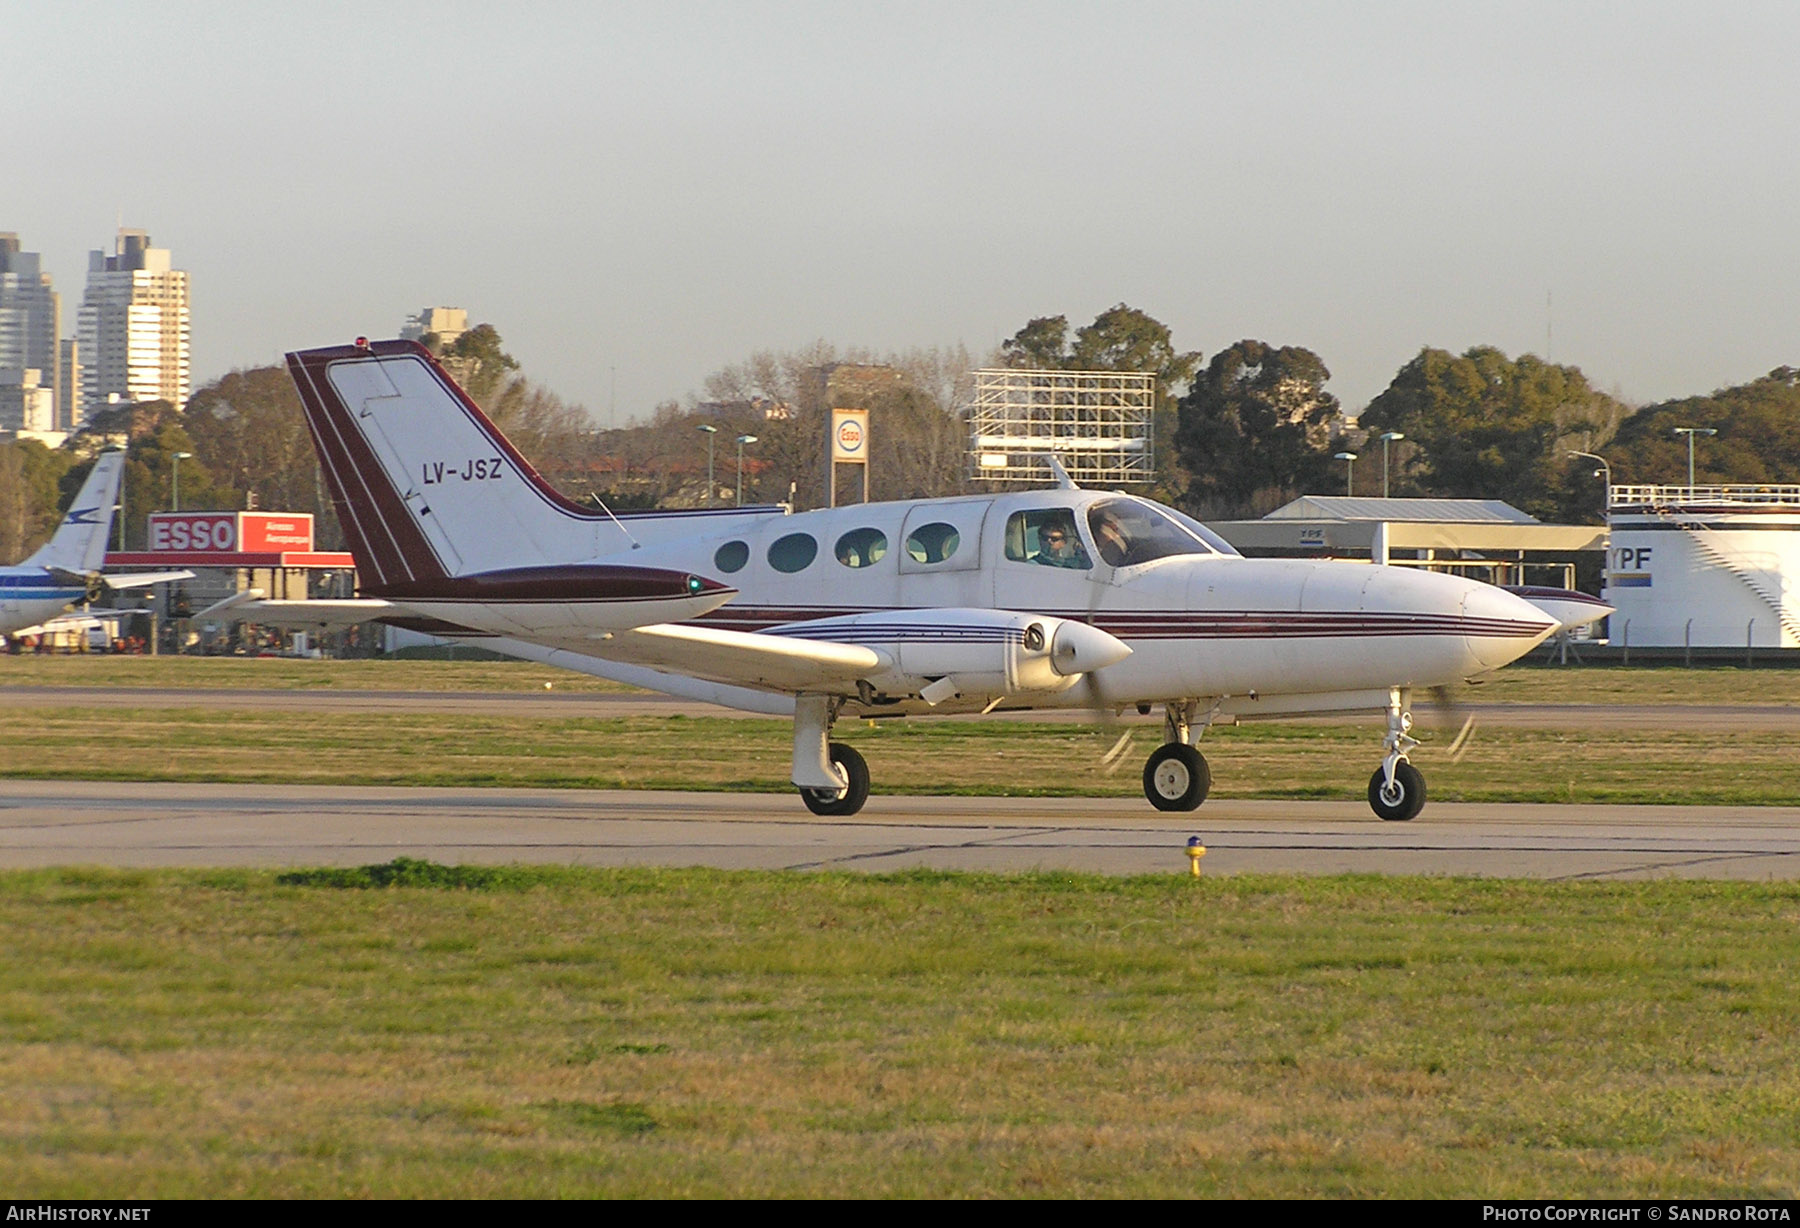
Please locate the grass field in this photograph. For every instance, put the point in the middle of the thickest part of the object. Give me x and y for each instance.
(562, 1032)
(259, 742)
(658, 1033)
(991, 758)
(1516, 684)
(289, 673)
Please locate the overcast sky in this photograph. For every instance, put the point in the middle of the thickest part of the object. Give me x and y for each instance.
(638, 194)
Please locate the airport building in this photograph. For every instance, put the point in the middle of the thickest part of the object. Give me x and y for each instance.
(231, 553)
(1484, 539)
(1704, 566)
(133, 328)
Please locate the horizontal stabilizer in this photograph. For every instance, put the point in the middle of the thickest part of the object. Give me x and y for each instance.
(347, 612)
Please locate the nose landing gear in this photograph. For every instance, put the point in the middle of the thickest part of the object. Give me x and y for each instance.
(1176, 777)
(1397, 790)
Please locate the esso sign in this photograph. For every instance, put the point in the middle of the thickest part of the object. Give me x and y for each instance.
(850, 435)
(204, 531)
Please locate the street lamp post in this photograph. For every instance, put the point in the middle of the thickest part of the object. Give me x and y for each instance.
(1604, 471)
(710, 430)
(175, 479)
(1690, 432)
(1349, 459)
(1386, 439)
(741, 441)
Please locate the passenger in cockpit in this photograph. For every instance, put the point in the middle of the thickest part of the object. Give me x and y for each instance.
(1111, 538)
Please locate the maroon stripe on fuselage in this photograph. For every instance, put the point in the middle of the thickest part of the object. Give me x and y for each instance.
(1175, 625)
(575, 583)
(390, 536)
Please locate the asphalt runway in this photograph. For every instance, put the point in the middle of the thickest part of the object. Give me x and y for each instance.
(46, 823)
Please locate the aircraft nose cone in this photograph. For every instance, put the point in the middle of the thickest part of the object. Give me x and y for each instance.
(1499, 627)
(1079, 649)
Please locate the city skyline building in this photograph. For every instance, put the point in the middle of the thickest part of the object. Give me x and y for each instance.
(27, 406)
(30, 321)
(444, 323)
(133, 335)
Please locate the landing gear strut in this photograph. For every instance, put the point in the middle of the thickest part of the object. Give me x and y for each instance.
(1176, 777)
(1397, 790)
(832, 777)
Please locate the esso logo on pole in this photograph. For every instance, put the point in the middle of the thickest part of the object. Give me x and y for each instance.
(850, 435)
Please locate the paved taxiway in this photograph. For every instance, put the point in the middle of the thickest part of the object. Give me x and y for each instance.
(61, 823)
(79, 822)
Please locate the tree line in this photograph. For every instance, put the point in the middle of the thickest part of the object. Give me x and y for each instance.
(1241, 433)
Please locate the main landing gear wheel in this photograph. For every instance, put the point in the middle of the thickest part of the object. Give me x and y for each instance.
(1176, 778)
(841, 801)
(1404, 799)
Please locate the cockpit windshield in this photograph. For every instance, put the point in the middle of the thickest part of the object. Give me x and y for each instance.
(1130, 531)
(1203, 533)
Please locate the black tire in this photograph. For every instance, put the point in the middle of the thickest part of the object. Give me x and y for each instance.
(1176, 777)
(1407, 798)
(847, 801)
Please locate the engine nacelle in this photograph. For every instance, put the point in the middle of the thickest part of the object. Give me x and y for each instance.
(938, 653)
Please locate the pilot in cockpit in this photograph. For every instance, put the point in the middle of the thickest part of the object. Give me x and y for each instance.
(1058, 546)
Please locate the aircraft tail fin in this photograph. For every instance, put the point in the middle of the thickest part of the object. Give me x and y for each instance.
(425, 486)
(79, 544)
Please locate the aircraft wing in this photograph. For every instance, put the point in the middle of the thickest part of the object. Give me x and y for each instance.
(133, 580)
(741, 658)
(139, 578)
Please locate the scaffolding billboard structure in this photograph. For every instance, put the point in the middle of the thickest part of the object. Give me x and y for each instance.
(1100, 424)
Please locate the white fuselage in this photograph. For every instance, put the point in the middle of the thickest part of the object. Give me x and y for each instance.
(31, 595)
(1203, 624)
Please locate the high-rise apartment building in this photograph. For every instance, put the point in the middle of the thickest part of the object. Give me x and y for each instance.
(134, 326)
(26, 404)
(444, 323)
(30, 317)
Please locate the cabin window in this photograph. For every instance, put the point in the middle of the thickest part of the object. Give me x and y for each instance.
(933, 543)
(861, 547)
(795, 552)
(732, 556)
(1046, 536)
(1128, 532)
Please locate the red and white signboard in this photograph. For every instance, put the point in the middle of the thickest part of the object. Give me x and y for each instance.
(242, 532)
(850, 435)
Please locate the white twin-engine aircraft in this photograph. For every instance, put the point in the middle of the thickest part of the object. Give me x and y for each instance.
(1054, 598)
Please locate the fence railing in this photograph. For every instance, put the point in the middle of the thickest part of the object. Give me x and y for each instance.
(1663, 496)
